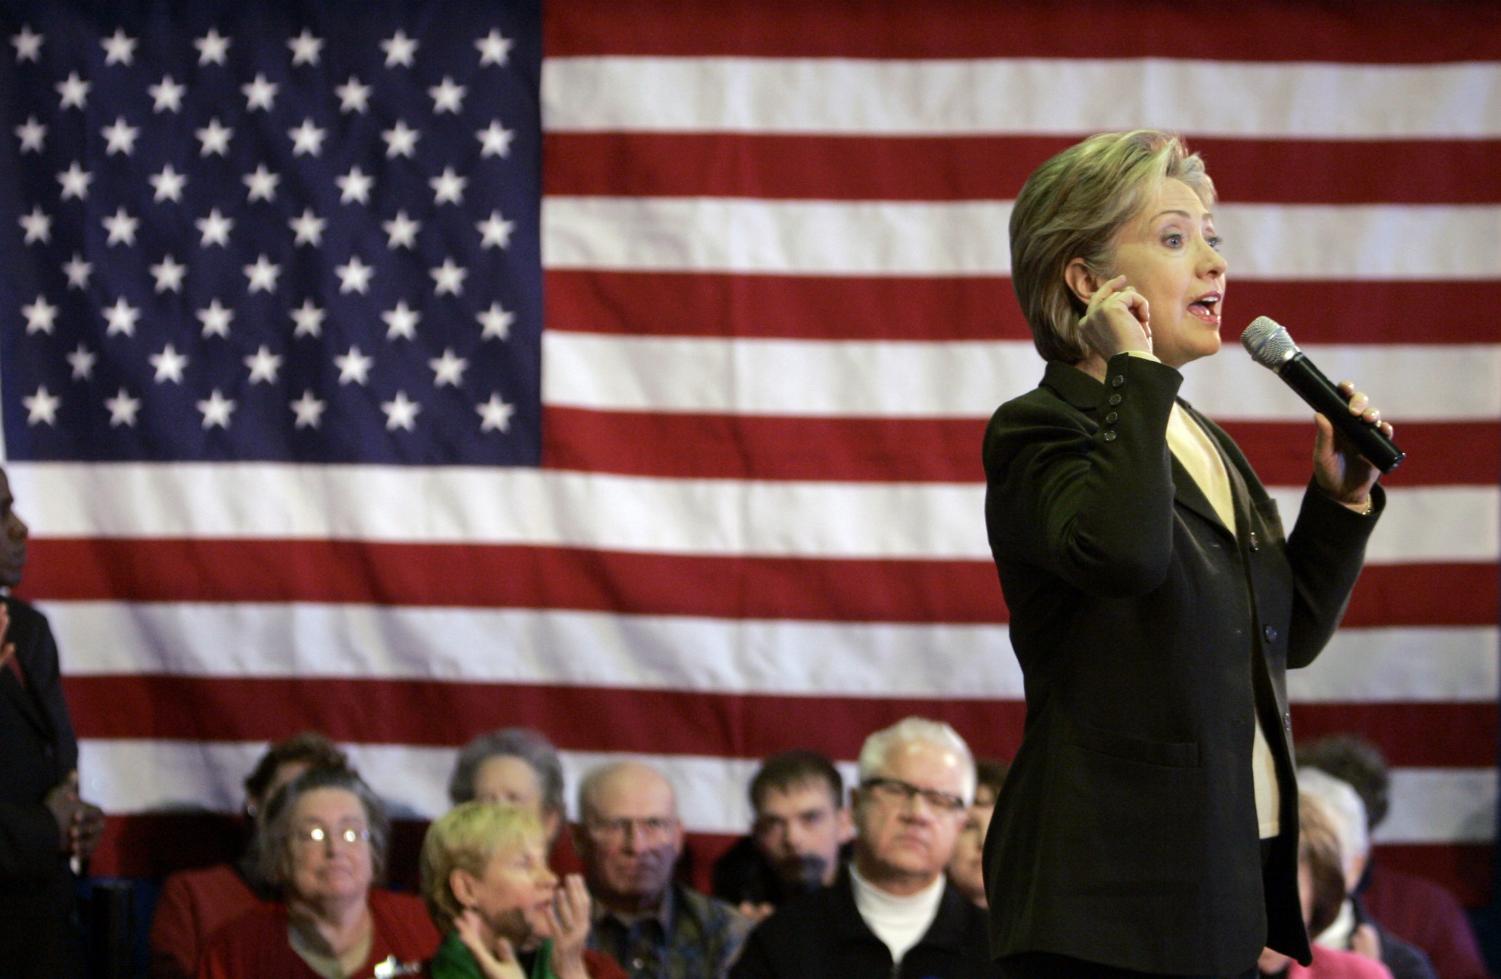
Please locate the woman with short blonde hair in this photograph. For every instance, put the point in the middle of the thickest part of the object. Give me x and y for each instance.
(488, 888)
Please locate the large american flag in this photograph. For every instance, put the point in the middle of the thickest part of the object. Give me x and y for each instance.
(406, 370)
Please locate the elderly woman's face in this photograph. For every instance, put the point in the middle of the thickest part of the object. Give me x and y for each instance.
(330, 847)
(1169, 254)
(509, 780)
(513, 893)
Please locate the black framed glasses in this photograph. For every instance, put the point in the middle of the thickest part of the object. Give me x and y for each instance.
(896, 790)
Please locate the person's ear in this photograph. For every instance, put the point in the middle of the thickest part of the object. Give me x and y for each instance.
(845, 824)
(1081, 280)
(462, 883)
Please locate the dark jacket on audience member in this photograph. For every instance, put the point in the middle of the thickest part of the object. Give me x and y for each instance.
(38, 926)
(823, 934)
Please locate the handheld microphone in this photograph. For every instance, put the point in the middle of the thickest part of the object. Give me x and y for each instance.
(1269, 345)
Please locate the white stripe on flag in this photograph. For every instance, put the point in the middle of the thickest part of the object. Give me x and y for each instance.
(752, 656)
(928, 521)
(968, 379)
(1020, 95)
(137, 776)
(966, 238)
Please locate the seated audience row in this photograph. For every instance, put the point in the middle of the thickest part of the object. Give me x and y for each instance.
(888, 884)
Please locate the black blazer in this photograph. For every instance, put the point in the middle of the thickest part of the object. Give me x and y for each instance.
(37, 750)
(1150, 638)
(822, 934)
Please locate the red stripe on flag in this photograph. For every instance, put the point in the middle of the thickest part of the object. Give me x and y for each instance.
(975, 308)
(935, 450)
(1379, 31)
(475, 576)
(661, 722)
(962, 167)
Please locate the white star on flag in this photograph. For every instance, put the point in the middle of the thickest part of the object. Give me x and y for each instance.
(167, 95)
(214, 229)
(259, 93)
(211, 48)
(262, 275)
(41, 407)
(73, 92)
(82, 361)
(307, 139)
(28, 44)
(401, 412)
(447, 96)
(168, 274)
(38, 226)
(399, 50)
(308, 228)
(496, 322)
(400, 140)
(215, 319)
(495, 140)
(261, 185)
(121, 227)
(494, 49)
(169, 184)
(354, 275)
(263, 365)
(401, 231)
(448, 278)
(354, 366)
(495, 231)
(40, 316)
(308, 409)
(78, 272)
(120, 137)
(214, 137)
(121, 317)
(448, 369)
(119, 49)
(354, 186)
(32, 135)
(75, 182)
(309, 320)
(401, 322)
(169, 365)
(448, 187)
(353, 96)
(216, 410)
(495, 415)
(305, 48)
(122, 409)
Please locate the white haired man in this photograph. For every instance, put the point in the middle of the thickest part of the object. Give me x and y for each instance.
(893, 912)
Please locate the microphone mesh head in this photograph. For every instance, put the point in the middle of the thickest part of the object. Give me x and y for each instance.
(1268, 342)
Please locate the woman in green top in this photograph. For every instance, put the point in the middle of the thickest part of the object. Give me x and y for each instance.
(503, 914)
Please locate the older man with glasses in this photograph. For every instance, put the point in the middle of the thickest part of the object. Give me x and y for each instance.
(629, 838)
(893, 913)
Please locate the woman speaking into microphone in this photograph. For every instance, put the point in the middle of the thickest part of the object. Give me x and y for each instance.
(1149, 822)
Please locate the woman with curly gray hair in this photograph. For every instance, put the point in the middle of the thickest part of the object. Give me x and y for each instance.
(324, 850)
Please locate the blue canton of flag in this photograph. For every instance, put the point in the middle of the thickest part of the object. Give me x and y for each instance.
(271, 232)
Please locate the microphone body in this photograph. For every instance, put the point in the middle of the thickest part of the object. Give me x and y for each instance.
(1270, 346)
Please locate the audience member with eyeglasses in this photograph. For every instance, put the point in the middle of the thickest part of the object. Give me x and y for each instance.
(629, 838)
(893, 912)
(324, 849)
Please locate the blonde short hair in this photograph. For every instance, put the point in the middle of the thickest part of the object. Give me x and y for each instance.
(466, 838)
(1072, 207)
